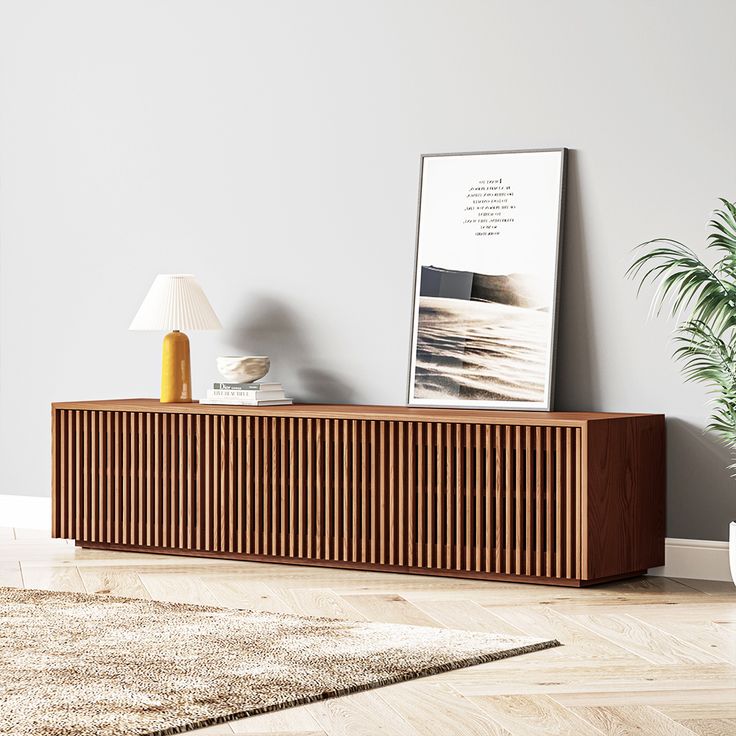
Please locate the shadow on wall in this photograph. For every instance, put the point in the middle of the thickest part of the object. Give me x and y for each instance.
(576, 374)
(701, 498)
(270, 327)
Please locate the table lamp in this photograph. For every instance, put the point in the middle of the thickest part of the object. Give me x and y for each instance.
(175, 302)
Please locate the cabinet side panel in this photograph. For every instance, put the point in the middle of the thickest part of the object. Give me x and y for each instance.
(625, 493)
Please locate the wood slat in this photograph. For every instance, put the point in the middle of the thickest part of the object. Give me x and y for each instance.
(381, 503)
(470, 543)
(455, 504)
(508, 543)
(528, 504)
(518, 499)
(410, 494)
(150, 519)
(569, 504)
(549, 504)
(163, 487)
(247, 438)
(354, 500)
(498, 525)
(199, 476)
(310, 489)
(442, 433)
(71, 489)
(391, 506)
(421, 496)
(291, 462)
(191, 528)
(539, 501)
(141, 437)
(85, 476)
(487, 490)
(318, 486)
(373, 499)
(338, 490)
(116, 528)
(347, 529)
(559, 502)
(448, 496)
(179, 520)
(429, 493)
(215, 484)
(578, 504)
(329, 490)
(275, 490)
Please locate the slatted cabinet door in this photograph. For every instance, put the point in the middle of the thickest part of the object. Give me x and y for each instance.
(483, 499)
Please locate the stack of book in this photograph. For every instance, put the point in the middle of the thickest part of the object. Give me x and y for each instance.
(247, 394)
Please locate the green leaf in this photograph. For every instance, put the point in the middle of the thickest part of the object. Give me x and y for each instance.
(703, 298)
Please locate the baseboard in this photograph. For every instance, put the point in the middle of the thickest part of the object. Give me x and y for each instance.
(25, 512)
(684, 558)
(698, 559)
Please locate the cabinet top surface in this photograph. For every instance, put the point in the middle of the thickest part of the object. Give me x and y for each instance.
(354, 411)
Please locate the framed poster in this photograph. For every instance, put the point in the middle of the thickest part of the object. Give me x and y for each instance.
(485, 287)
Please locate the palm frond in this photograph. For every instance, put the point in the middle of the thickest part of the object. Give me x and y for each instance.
(723, 423)
(705, 343)
(685, 281)
(706, 356)
(723, 239)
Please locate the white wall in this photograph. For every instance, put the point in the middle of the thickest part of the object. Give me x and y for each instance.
(271, 148)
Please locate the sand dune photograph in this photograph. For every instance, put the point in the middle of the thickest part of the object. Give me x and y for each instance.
(485, 297)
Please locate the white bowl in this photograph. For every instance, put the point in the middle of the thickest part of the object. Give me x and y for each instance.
(243, 368)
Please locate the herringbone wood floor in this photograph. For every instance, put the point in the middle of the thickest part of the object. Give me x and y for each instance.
(646, 656)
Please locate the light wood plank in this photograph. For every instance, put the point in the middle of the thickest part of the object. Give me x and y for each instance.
(163, 586)
(317, 602)
(390, 609)
(699, 711)
(715, 695)
(11, 575)
(360, 714)
(540, 716)
(534, 674)
(53, 578)
(466, 615)
(712, 727)
(625, 720)
(246, 594)
(451, 713)
(113, 581)
(645, 641)
(291, 721)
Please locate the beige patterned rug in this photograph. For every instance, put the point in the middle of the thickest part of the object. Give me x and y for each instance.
(84, 665)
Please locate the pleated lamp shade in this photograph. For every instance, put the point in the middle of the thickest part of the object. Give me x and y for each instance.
(175, 301)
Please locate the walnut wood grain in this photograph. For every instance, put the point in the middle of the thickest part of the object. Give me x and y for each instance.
(356, 411)
(573, 498)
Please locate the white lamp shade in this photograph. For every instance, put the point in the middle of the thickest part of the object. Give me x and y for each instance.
(175, 301)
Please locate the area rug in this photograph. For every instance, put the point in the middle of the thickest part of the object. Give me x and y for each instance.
(86, 665)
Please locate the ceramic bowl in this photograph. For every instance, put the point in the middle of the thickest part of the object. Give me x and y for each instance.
(243, 368)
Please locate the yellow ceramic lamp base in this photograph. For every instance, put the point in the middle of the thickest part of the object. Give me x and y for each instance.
(176, 372)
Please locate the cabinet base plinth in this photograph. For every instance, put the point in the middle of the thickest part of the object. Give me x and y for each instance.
(367, 566)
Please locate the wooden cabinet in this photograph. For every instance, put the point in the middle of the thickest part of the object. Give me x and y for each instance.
(562, 498)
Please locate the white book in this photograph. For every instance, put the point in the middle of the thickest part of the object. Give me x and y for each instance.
(255, 386)
(238, 402)
(245, 395)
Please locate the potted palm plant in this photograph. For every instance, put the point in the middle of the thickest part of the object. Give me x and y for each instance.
(703, 298)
